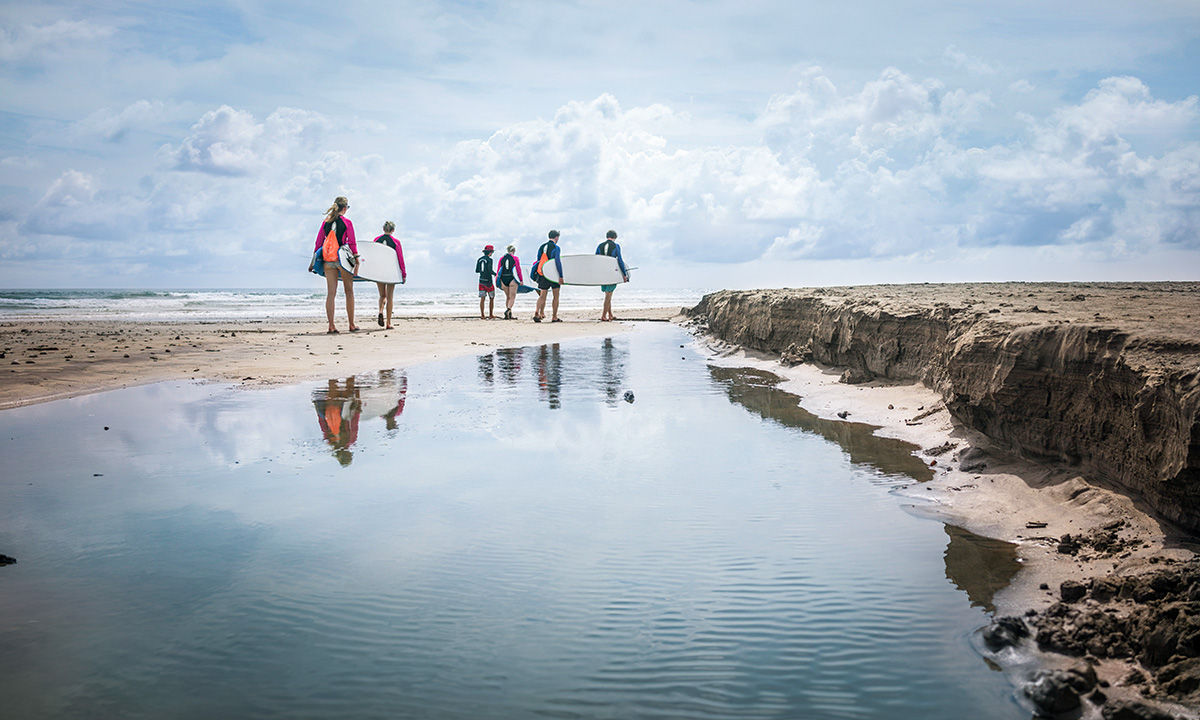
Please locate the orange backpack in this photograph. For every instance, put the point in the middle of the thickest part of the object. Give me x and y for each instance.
(329, 250)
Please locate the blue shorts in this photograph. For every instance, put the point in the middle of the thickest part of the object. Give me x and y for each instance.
(608, 288)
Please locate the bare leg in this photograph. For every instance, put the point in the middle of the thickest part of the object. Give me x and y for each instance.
(607, 312)
(481, 298)
(348, 283)
(331, 278)
(510, 295)
(382, 295)
(554, 306)
(540, 310)
(391, 293)
(492, 305)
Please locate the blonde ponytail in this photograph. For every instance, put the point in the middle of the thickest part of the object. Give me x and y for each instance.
(339, 203)
(389, 227)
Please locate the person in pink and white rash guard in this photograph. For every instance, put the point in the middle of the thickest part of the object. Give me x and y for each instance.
(336, 230)
(388, 290)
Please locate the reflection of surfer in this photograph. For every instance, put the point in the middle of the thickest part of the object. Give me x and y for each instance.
(612, 370)
(487, 368)
(338, 409)
(508, 361)
(390, 416)
(549, 376)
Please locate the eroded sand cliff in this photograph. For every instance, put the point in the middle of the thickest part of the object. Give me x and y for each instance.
(1100, 376)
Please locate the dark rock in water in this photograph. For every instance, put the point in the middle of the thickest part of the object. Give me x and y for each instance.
(628, 396)
(1133, 710)
(1058, 691)
(1004, 632)
(6, 560)
(1072, 591)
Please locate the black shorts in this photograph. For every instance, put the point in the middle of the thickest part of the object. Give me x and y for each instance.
(544, 284)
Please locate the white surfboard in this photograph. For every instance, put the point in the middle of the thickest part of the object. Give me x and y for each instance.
(346, 258)
(378, 263)
(586, 270)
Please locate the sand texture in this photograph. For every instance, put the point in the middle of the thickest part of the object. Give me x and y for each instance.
(42, 361)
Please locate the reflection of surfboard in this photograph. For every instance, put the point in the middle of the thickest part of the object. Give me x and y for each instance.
(346, 258)
(378, 263)
(379, 401)
(586, 270)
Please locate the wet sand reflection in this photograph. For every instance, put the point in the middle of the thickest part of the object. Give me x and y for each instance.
(755, 390)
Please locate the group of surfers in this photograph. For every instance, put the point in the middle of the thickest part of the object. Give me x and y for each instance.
(336, 230)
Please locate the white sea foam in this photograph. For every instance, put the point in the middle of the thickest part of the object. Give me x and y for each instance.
(201, 305)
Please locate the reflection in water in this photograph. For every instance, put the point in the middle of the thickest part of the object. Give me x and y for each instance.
(340, 405)
(612, 370)
(755, 390)
(508, 362)
(979, 566)
(487, 368)
(338, 408)
(584, 377)
(547, 364)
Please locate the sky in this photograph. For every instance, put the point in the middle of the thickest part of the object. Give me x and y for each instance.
(730, 144)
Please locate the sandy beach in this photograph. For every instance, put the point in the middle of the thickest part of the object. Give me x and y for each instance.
(50, 360)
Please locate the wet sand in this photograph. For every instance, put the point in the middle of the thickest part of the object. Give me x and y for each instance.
(50, 360)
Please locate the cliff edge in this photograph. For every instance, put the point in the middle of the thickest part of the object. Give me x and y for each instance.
(1101, 376)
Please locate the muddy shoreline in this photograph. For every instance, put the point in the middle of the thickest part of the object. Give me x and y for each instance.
(1057, 416)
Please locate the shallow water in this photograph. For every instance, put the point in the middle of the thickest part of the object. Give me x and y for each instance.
(502, 536)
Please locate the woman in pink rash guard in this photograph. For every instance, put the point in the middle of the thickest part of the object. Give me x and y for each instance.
(336, 231)
(509, 277)
(388, 290)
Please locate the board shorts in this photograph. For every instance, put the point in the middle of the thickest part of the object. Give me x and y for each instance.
(544, 284)
(487, 290)
(608, 288)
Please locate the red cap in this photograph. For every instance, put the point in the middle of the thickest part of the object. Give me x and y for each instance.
(488, 247)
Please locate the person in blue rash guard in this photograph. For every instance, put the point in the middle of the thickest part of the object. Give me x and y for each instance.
(612, 249)
(548, 251)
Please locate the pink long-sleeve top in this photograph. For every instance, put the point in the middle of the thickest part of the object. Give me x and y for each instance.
(516, 266)
(399, 251)
(348, 238)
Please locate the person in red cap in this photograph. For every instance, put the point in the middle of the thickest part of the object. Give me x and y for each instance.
(487, 287)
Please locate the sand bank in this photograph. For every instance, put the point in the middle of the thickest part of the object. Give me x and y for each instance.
(41, 361)
(1021, 397)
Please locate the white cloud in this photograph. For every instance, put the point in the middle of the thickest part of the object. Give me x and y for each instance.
(971, 64)
(886, 170)
(112, 126)
(227, 141)
(32, 42)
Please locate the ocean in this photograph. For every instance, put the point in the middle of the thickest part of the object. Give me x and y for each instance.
(285, 303)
